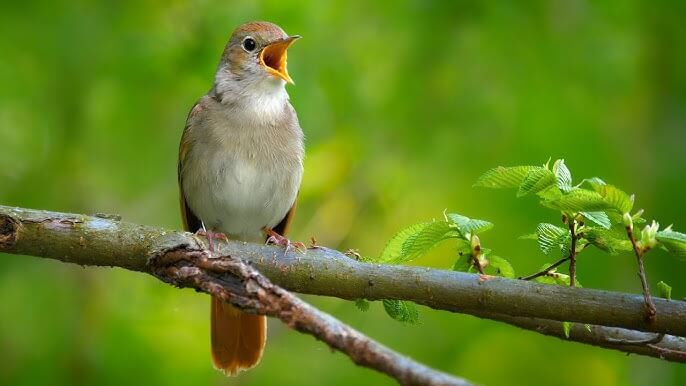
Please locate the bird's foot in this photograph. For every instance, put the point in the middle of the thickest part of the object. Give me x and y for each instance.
(211, 236)
(276, 239)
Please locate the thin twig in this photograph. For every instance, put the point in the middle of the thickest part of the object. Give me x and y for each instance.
(650, 311)
(545, 271)
(572, 253)
(571, 258)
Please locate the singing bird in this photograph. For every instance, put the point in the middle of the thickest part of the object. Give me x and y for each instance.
(240, 167)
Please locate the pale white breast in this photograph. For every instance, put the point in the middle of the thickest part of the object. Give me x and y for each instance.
(241, 175)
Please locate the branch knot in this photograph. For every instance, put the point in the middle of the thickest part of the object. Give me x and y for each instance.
(9, 227)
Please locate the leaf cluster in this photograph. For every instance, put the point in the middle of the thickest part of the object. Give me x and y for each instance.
(593, 213)
(417, 240)
(601, 211)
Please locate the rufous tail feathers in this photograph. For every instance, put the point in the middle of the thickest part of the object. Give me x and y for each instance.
(238, 338)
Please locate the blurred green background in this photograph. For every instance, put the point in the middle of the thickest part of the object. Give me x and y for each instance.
(403, 103)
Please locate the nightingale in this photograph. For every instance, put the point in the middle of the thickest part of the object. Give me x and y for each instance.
(240, 167)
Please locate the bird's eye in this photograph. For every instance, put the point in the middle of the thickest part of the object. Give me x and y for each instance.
(249, 44)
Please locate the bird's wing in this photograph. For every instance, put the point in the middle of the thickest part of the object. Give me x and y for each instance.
(283, 225)
(191, 222)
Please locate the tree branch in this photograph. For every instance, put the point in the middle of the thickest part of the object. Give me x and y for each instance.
(671, 348)
(227, 277)
(235, 281)
(88, 240)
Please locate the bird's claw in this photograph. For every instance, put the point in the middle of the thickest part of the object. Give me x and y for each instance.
(276, 239)
(211, 236)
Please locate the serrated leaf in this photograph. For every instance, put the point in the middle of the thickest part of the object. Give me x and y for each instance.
(501, 266)
(593, 181)
(504, 177)
(414, 241)
(610, 241)
(468, 225)
(402, 311)
(664, 290)
(552, 237)
(616, 198)
(535, 181)
(670, 235)
(578, 200)
(674, 242)
(550, 193)
(362, 305)
(599, 218)
(567, 328)
(562, 175)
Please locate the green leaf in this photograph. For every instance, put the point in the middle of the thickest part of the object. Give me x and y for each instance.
(468, 225)
(554, 277)
(593, 181)
(550, 193)
(610, 241)
(562, 175)
(504, 177)
(615, 197)
(463, 263)
(551, 237)
(665, 290)
(599, 218)
(619, 200)
(414, 241)
(501, 266)
(402, 311)
(617, 218)
(545, 280)
(578, 200)
(674, 242)
(567, 328)
(560, 278)
(670, 235)
(362, 304)
(535, 181)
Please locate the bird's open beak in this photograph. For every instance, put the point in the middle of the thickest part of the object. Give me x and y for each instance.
(273, 57)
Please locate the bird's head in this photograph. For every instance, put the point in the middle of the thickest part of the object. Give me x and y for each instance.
(255, 55)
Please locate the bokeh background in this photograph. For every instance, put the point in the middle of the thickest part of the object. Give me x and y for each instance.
(404, 104)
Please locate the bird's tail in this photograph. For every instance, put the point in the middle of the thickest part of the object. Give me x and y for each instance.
(238, 338)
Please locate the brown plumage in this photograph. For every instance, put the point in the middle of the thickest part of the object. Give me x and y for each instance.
(240, 166)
